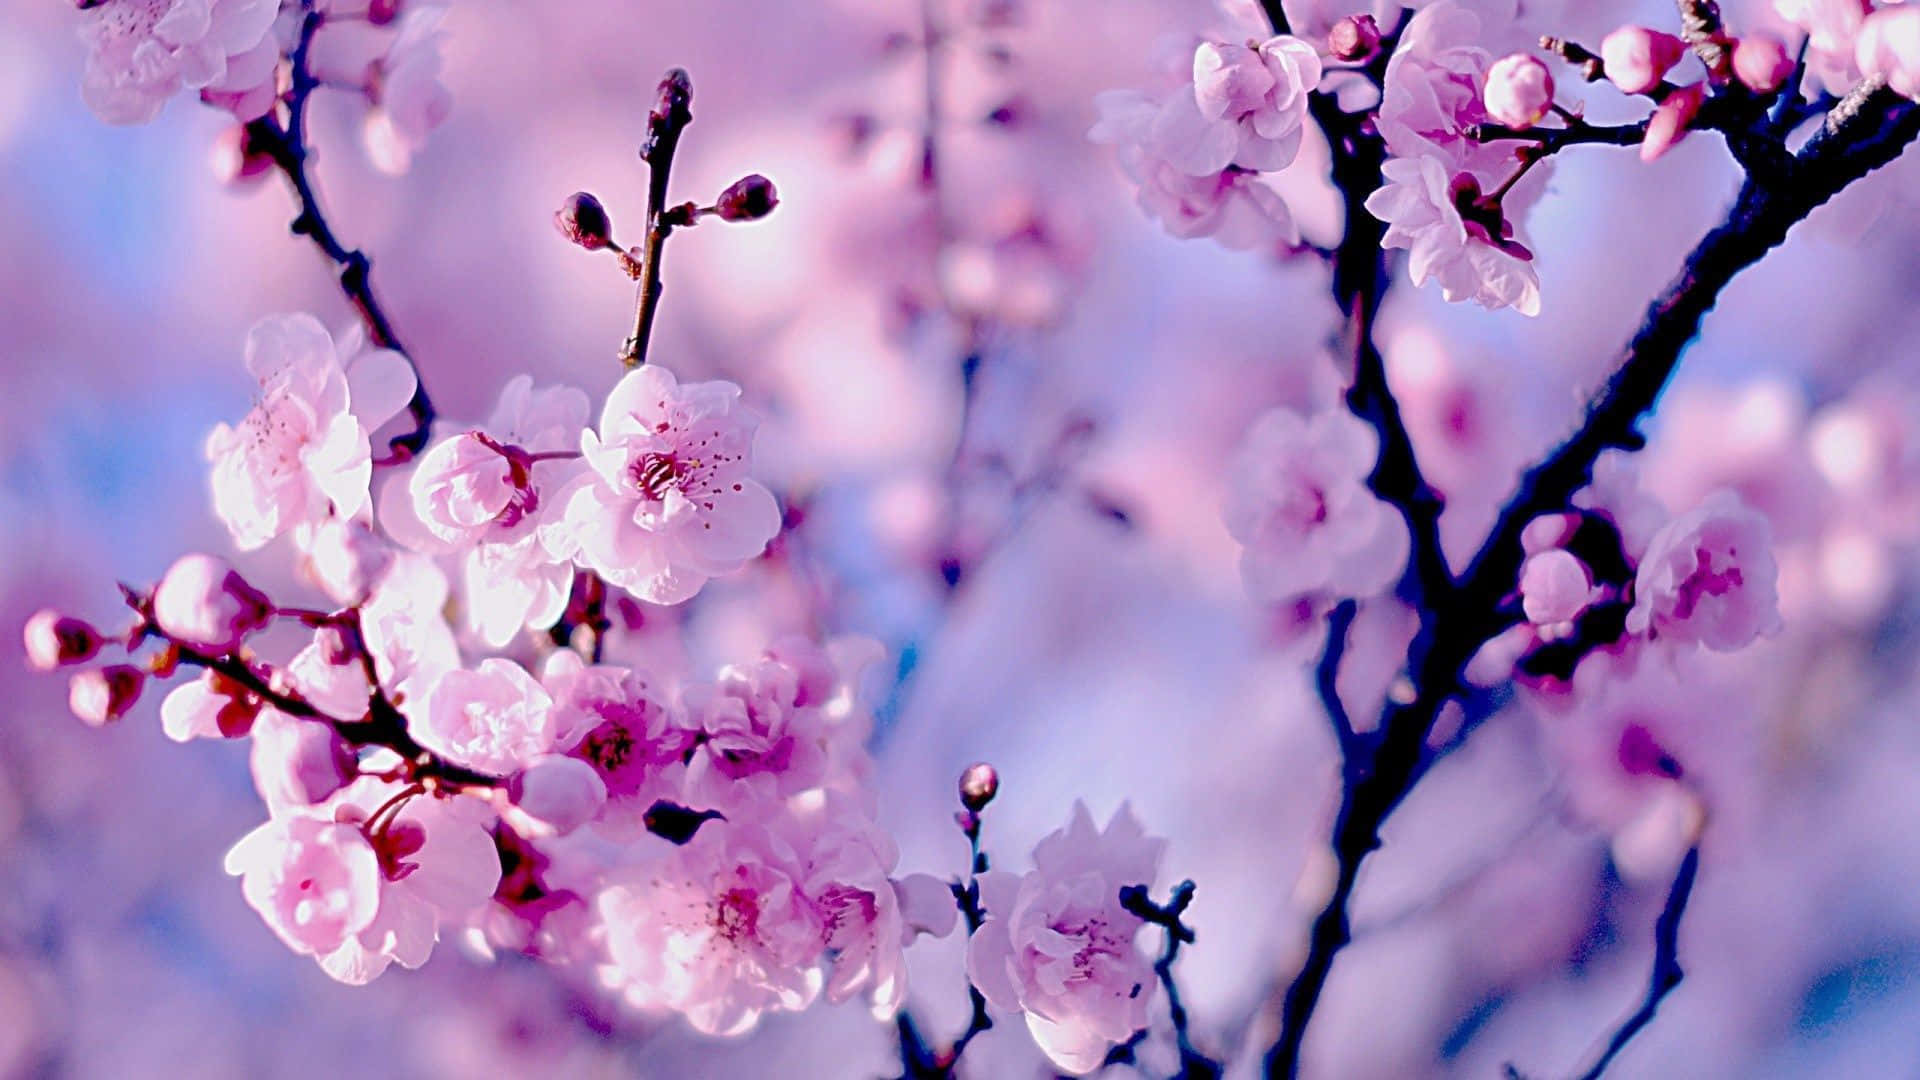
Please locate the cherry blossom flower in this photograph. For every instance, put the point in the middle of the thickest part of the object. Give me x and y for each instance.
(1833, 28)
(668, 503)
(409, 99)
(1471, 259)
(1247, 107)
(1057, 946)
(1299, 504)
(623, 724)
(1889, 48)
(1432, 93)
(203, 602)
(295, 762)
(328, 675)
(315, 881)
(1555, 587)
(1709, 577)
(559, 793)
(758, 740)
(495, 717)
(405, 631)
(719, 930)
(345, 559)
(303, 452)
(143, 52)
(844, 874)
(209, 707)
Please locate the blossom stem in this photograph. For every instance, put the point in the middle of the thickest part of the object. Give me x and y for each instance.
(1868, 129)
(665, 124)
(1666, 965)
(287, 147)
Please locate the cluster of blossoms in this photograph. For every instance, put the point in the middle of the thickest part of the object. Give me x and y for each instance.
(238, 54)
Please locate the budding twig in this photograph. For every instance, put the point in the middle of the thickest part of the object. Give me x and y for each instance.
(1194, 1065)
(672, 112)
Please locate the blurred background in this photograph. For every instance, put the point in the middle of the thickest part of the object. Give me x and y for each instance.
(1095, 641)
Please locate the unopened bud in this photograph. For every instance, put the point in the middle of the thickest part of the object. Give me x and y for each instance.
(1354, 38)
(1519, 91)
(978, 785)
(382, 12)
(54, 639)
(750, 198)
(203, 602)
(672, 110)
(1761, 63)
(583, 221)
(99, 696)
(1637, 58)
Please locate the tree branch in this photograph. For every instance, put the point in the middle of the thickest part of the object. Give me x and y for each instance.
(1666, 964)
(672, 112)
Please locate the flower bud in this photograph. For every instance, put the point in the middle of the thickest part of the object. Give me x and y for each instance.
(750, 198)
(1670, 119)
(383, 12)
(204, 603)
(1637, 58)
(1354, 38)
(672, 111)
(1761, 63)
(1555, 587)
(54, 639)
(1519, 91)
(978, 785)
(583, 221)
(99, 696)
(560, 792)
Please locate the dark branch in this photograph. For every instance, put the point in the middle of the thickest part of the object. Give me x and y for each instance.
(1326, 675)
(672, 112)
(287, 148)
(1193, 1064)
(1666, 964)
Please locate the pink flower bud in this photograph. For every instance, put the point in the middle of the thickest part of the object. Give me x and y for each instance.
(1555, 587)
(1354, 38)
(297, 762)
(1519, 91)
(383, 12)
(1670, 119)
(1548, 531)
(54, 639)
(1637, 58)
(560, 792)
(1761, 63)
(99, 696)
(583, 221)
(202, 602)
(978, 785)
(750, 198)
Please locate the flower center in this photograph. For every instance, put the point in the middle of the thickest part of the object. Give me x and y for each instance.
(655, 474)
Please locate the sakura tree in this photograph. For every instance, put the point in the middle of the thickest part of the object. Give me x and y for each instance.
(718, 663)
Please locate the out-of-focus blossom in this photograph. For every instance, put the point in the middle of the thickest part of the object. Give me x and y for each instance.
(1058, 946)
(203, 602)
(143, 52)
(297, 762)
(1299, 504)
(1833, 29)
(719, 930)
(1421, 204)
(1555, 587)
(1637, 58)
(495, 717)
(561, 793)
(1519, 90)
(668, 503)
(1709, 577)
(405, 629)
(1889, 48)
(344, 558)
(409, 99)
(303, 452)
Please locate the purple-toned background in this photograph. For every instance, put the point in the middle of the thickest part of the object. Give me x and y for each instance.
(1087, 658)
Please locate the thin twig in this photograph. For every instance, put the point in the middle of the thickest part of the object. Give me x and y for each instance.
(1327, 673)
(672, 112)
(1666, 965)
(1194, 1065)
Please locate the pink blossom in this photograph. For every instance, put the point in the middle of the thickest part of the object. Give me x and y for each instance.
(295, 762)
(1670, 120)
(328, 675)
(718, 930)
(142, 52)
(315, 882)
(1432, 91)
(1833, 29)
(1519, 90)
(1234, 206)
(1299, 504)
(559, 793)
(1247, 107)
(344, 558)
(405, 629)
(1761, 63)
(1637, 58)
(758, 741)
(1058, 946)
(1709, 577)
(927, 906)
(1421, 204)
(668, 503)
(495, 718)
(204, 603)
(623, 724)
(1555, 587)
(1889, 48)
(409, 99)
(843, 873)
(209, 707)
(303, 452)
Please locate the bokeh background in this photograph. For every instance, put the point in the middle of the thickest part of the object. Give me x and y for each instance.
(1098, 644)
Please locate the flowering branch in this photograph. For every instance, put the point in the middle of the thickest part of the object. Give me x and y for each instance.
(1666, 964)
(1866, 130)
(1193, 1064)
(286, 146)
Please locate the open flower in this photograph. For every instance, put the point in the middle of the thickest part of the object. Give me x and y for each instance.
(668, 503)
(1058, 946)
(1709, 577)
(142, 52)
(1453, 236)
